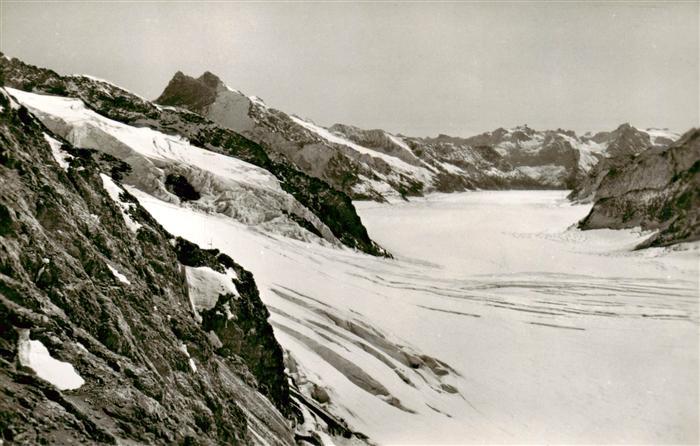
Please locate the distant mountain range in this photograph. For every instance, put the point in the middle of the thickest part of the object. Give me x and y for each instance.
(376, 164)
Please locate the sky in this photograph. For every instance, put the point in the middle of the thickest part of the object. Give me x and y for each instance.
(416, 68)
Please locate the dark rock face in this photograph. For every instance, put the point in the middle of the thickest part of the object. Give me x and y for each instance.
(250, 336)
(333, 207)
(199, 93)
(584, 191)
(658, 189)
(180, 186)
(113, 302)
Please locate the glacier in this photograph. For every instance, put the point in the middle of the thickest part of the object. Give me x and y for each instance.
(496, 322)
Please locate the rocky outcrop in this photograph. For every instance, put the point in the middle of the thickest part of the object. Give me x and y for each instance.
(207, 96)
(250, 336)
(201, 93)
(584, 191)
(658, 189)
(94, 286)
(331, 207)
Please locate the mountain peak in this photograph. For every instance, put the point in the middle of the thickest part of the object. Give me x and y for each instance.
(190, 93)
(210, 79)
(628, 140)
(625, 126)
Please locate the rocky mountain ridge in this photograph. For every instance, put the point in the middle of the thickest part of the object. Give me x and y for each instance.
(305, 206)
(160, 341)
(375, 164)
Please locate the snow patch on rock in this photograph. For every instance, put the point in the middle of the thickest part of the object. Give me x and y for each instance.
(119, 276)
(33, 354)
(193, 366)
(115, 192)
(206, 285)
(61, 157)
(13, 104)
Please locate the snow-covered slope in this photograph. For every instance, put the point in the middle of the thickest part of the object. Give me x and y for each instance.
(561, 337)
(661, 137)
(397, 166)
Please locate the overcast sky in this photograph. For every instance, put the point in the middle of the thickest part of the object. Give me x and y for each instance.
(414, 68)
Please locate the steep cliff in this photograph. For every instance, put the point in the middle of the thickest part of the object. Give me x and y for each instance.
(101, 339)
(658, 189)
